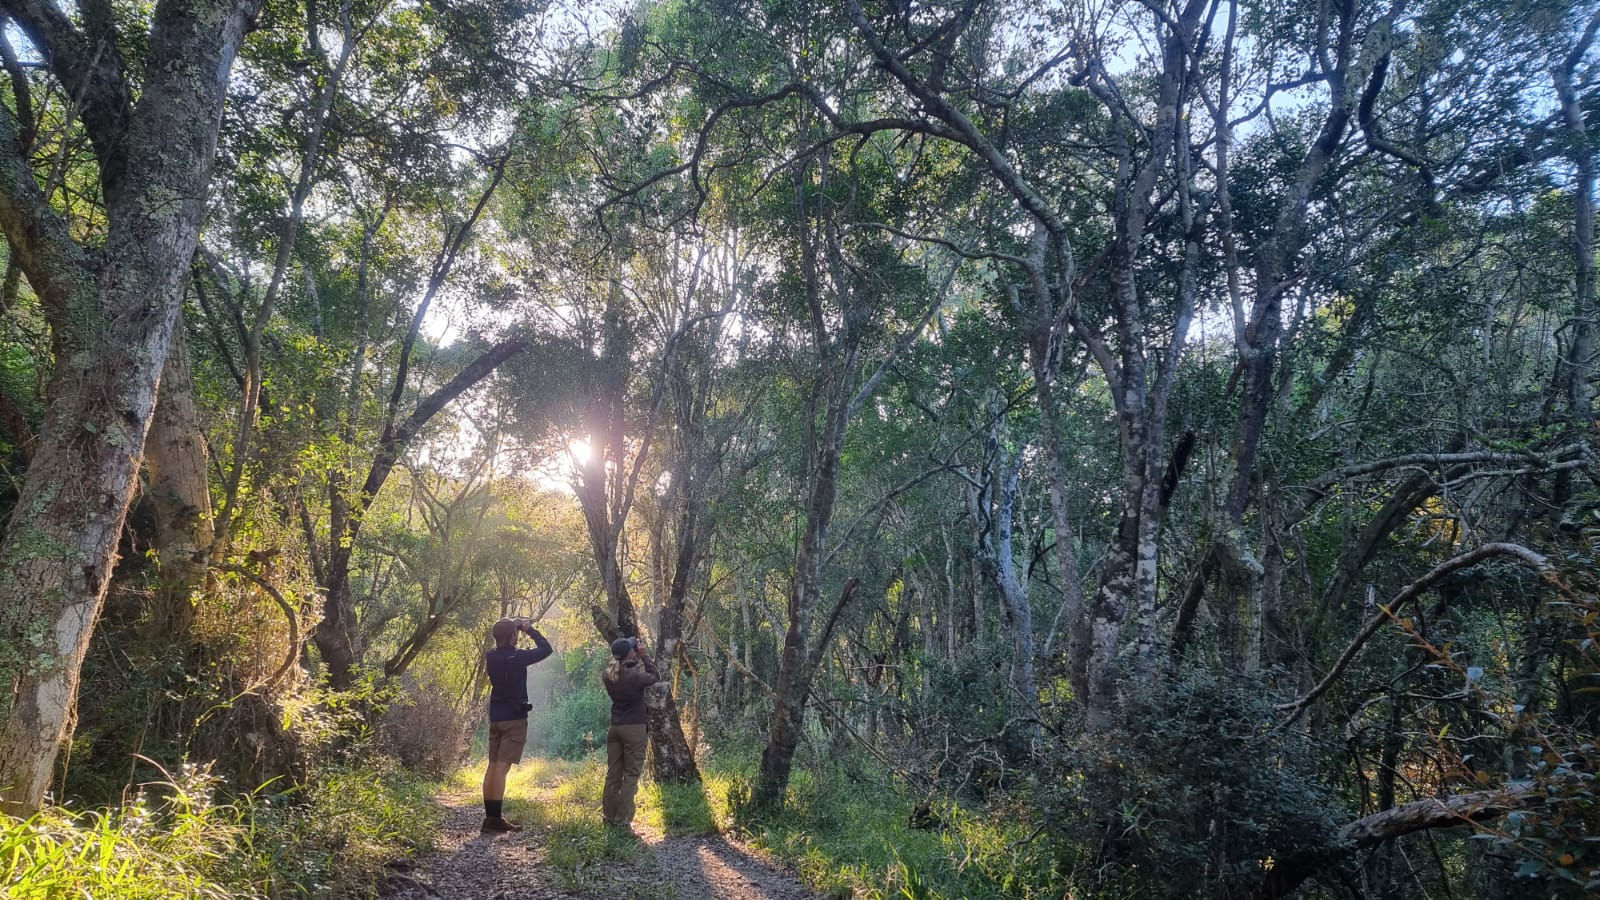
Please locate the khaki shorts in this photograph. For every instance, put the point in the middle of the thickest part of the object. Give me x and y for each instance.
(506, 740)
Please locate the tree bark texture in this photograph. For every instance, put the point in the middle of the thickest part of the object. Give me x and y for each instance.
(120, 311)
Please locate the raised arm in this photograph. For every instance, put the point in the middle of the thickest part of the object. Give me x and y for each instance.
(541, 647)
(649, 676)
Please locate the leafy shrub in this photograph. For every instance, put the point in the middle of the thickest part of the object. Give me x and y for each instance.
(970, 705)
(576, 725)
(334, 838)
(1194, 792)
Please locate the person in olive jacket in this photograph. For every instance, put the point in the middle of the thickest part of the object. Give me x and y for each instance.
(507, 668)
(626, 677)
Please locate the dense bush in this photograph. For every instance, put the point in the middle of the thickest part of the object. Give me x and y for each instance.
(425, 729)
(1194, 792)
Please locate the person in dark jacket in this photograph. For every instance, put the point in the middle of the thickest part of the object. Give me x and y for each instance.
(508, 712)
(626, 677)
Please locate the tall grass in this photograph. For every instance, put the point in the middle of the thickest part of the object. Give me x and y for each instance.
(177, 839)
(846, 832)
(173, 844)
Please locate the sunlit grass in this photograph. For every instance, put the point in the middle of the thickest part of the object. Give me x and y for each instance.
(331, 839)
(561, 799)
(57, 853)
(845, 835)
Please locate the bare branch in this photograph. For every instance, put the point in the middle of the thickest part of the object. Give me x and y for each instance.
(1411, 591)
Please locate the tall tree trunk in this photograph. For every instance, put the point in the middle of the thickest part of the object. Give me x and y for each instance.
(1576, 372)
(1019, 611)
(180, 494)
(672, 758)
(156, 157)
(797, 663)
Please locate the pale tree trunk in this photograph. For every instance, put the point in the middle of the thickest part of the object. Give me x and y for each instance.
(1576, 372)
(1140, 389)
(180, 494)
(672, 758)
(991, 505)
(1019, 612)
(155, 159)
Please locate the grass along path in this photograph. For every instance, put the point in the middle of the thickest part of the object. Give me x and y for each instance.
(677, 852)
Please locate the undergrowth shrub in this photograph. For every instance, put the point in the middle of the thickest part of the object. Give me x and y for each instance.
(846, 829)
(576, 724)
(969, 705)
(424, 729)
(1194, 792)
(334, 837)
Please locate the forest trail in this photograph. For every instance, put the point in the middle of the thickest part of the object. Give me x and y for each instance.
(557, 858)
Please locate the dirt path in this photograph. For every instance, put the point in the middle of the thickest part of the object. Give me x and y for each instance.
(566, 860)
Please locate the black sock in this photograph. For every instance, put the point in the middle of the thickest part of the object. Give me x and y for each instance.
(491, 809)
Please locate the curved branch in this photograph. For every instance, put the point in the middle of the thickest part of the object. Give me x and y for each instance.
(1411, 591)
(966, 132)
(90, 68)
(1328, 479)
(288, 613)
(57, 267)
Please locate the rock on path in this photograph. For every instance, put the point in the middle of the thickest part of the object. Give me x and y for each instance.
(471, 866)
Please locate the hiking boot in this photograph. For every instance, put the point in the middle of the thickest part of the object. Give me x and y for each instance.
(499, 826)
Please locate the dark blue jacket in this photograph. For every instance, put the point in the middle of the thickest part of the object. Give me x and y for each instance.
(508, 676)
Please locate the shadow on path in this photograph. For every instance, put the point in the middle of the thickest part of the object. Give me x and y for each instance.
(468, 865)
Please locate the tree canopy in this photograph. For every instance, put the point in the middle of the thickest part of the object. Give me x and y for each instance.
(1168, 426)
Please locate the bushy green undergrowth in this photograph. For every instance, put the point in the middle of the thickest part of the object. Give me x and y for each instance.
(179, 840)
(575, 726)
(848, 835)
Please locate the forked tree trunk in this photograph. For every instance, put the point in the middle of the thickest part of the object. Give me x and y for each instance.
(156, 157)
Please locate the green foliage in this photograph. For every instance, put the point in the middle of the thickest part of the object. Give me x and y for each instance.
(845, 828)
(175, 844)
(1193, 792)
(576, 725)
(179, 838)
(334, 837)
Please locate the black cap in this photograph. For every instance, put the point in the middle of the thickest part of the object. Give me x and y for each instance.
(621, 647)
